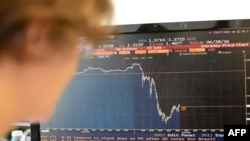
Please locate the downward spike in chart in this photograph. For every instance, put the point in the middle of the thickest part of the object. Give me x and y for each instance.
(114, 99)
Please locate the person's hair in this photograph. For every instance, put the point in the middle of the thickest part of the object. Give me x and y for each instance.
(84, 17)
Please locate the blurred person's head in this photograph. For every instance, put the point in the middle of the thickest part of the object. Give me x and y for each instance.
(38, 53)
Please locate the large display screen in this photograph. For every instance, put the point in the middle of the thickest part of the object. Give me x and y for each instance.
(179, 81)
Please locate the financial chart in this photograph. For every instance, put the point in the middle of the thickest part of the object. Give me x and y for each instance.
(157, 86)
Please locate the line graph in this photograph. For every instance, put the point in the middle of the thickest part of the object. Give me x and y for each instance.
(166, 92)
(144, 112)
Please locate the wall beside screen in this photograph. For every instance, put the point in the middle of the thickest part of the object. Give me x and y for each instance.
(155, 11)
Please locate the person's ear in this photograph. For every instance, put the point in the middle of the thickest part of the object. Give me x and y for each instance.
(36, 40)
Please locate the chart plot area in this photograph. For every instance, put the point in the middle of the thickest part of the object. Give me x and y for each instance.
(113, 99)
